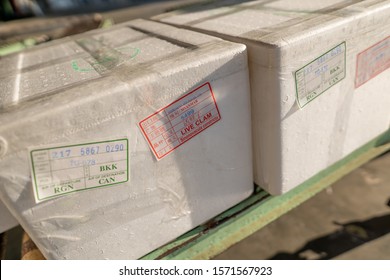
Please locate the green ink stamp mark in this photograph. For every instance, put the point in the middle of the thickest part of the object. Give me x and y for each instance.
(108, 60)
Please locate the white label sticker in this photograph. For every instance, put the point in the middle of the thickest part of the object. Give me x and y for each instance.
(319, 75)
(66, 169)
(175, 124)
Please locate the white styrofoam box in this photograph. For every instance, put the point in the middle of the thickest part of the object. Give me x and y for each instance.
(307, 49)
(107, 85)
(7, 221)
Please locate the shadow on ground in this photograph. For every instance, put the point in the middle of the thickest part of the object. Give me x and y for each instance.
(348, 237)
(348, 220)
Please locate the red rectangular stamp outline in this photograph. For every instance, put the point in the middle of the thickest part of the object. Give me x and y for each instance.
(372, 61)
(178, 122)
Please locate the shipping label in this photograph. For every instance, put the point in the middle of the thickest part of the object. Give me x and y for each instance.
(62, 170)
(175, 124)
(372, 61)
(319, 75)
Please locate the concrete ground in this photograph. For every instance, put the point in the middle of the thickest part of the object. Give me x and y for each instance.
(348, 220)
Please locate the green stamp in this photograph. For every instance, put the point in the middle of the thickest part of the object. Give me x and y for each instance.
(108, 59)
(62, 170)
(319, 75)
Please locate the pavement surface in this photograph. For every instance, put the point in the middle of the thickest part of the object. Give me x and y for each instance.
(348, 220)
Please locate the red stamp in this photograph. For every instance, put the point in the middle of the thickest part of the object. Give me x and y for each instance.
(175, 124)
(372, 61)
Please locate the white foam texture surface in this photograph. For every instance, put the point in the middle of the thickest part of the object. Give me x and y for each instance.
(292, 144)
(99, 86)
(7, 221)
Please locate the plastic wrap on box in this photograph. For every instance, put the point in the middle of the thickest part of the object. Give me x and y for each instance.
(7, 221)
(117, 141)
(319, 78)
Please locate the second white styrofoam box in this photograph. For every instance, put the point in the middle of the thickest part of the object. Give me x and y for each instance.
(117, 141)
(7, 221)
(319, 78)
